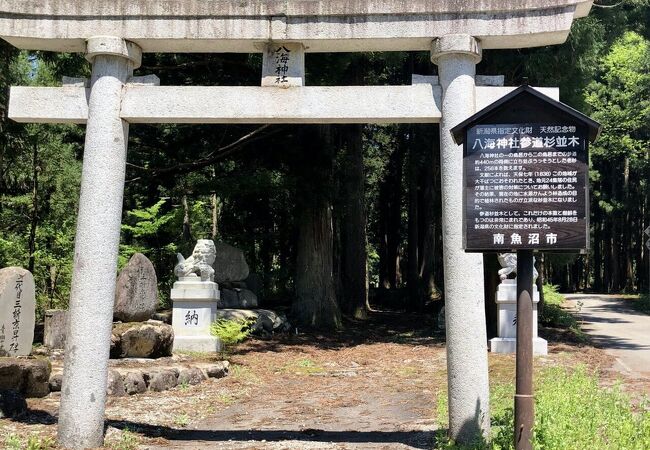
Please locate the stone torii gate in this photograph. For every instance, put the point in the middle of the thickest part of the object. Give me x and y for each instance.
(113, 34)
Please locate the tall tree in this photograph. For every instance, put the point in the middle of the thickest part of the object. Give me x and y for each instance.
(315, 304)
(354, 260)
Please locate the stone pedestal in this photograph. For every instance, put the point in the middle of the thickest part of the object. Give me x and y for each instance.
(195, 308)
(507, 321)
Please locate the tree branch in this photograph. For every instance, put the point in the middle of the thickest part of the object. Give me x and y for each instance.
(207, 160)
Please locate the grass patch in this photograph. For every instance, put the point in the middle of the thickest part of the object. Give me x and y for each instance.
(304, 366)
(128, 441)
(407, 371)
(194, 354)
(33, 442)
(554, 316)
(572, 412)
(243, 374)
(181, 420)
(642, 304)
(226, 399)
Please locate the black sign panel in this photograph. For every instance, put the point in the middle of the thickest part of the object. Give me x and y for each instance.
(526, 187)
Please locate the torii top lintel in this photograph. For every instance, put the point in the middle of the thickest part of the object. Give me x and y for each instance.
(321, 25)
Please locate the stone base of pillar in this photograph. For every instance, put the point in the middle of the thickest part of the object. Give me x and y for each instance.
(509, 345)
(195, 308)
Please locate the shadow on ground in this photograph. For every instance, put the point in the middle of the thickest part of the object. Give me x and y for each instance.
(380, 327)
(415, 439)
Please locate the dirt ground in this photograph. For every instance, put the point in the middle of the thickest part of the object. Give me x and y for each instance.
(374, 386)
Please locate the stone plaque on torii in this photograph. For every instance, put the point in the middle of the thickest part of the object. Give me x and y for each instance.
(113, 35)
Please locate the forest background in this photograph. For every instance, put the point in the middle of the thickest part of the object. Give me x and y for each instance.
(328, 215)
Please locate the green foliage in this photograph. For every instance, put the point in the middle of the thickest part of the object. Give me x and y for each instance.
(642, 304)
(575, 412)
(232, 332)
(128, 441)
(147, 222)
(572, 411)
(620, 99)
(39, 187)
(13, 442)
(144, 232)
(33, 442)
(181, 420)
(152, 231)
(552, 295)
(553, 315)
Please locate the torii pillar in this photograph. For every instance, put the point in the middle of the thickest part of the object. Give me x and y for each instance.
(456, 56)
(97, 241)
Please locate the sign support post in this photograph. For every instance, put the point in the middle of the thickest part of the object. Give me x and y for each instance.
(524, 401)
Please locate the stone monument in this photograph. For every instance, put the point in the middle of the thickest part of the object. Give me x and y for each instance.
(195, 297)
(17, 311)
(136, 292)
(506, 299)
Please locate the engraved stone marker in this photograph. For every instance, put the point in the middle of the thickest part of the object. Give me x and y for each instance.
(17, 311)
(136, 293)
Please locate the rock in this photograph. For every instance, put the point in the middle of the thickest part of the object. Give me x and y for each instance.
(136, 291)
(12, 404)
(237, 298)
(191, 375)
(163, 316)
(40, 351)
(17, 311)
(134, 383)
(161, 380)
(218, 370)
(55, 382)
(266, 322)
(115, 344)
(265, 319)
(29, 377)
(142, 340)
(38, 379)
(229, 264)
(255, 283)
(55, 328)
(233, 285)
(115, 385)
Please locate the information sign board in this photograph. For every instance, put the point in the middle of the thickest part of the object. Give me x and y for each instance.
(526, 187)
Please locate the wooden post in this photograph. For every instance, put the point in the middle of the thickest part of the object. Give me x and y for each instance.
(524, 401)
